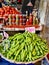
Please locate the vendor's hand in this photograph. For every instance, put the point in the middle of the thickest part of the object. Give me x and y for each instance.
(3, 4)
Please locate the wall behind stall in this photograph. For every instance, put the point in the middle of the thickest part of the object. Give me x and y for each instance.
(42, 11)
(44, 18)
(47, 15)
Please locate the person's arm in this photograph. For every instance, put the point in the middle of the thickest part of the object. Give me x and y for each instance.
(3, 5)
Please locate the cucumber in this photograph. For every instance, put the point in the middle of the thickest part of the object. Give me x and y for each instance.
(41, 51)
(37, 50)
(29, 56)
(22, 55)
(34, 52)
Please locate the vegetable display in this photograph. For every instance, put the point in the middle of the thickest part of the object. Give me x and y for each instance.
(6, 10)
(24, 47)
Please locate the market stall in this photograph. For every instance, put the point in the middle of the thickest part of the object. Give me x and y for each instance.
(12, 19)
(19, 42)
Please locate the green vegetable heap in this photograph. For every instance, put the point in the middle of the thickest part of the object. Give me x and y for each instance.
(24, 47)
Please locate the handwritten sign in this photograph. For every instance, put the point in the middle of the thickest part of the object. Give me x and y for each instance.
(30, 29)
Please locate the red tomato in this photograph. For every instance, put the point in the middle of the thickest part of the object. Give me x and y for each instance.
(1, 15)
(1, 11)
(8, 13)
(12, 8)
(11, 11)
(8, 10)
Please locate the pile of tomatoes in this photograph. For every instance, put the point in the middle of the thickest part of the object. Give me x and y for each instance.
(6, 10)
(22, 20)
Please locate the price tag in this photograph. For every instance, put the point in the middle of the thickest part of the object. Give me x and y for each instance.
(30, 29)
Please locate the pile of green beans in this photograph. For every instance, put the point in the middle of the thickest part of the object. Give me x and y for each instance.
(24, 47)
